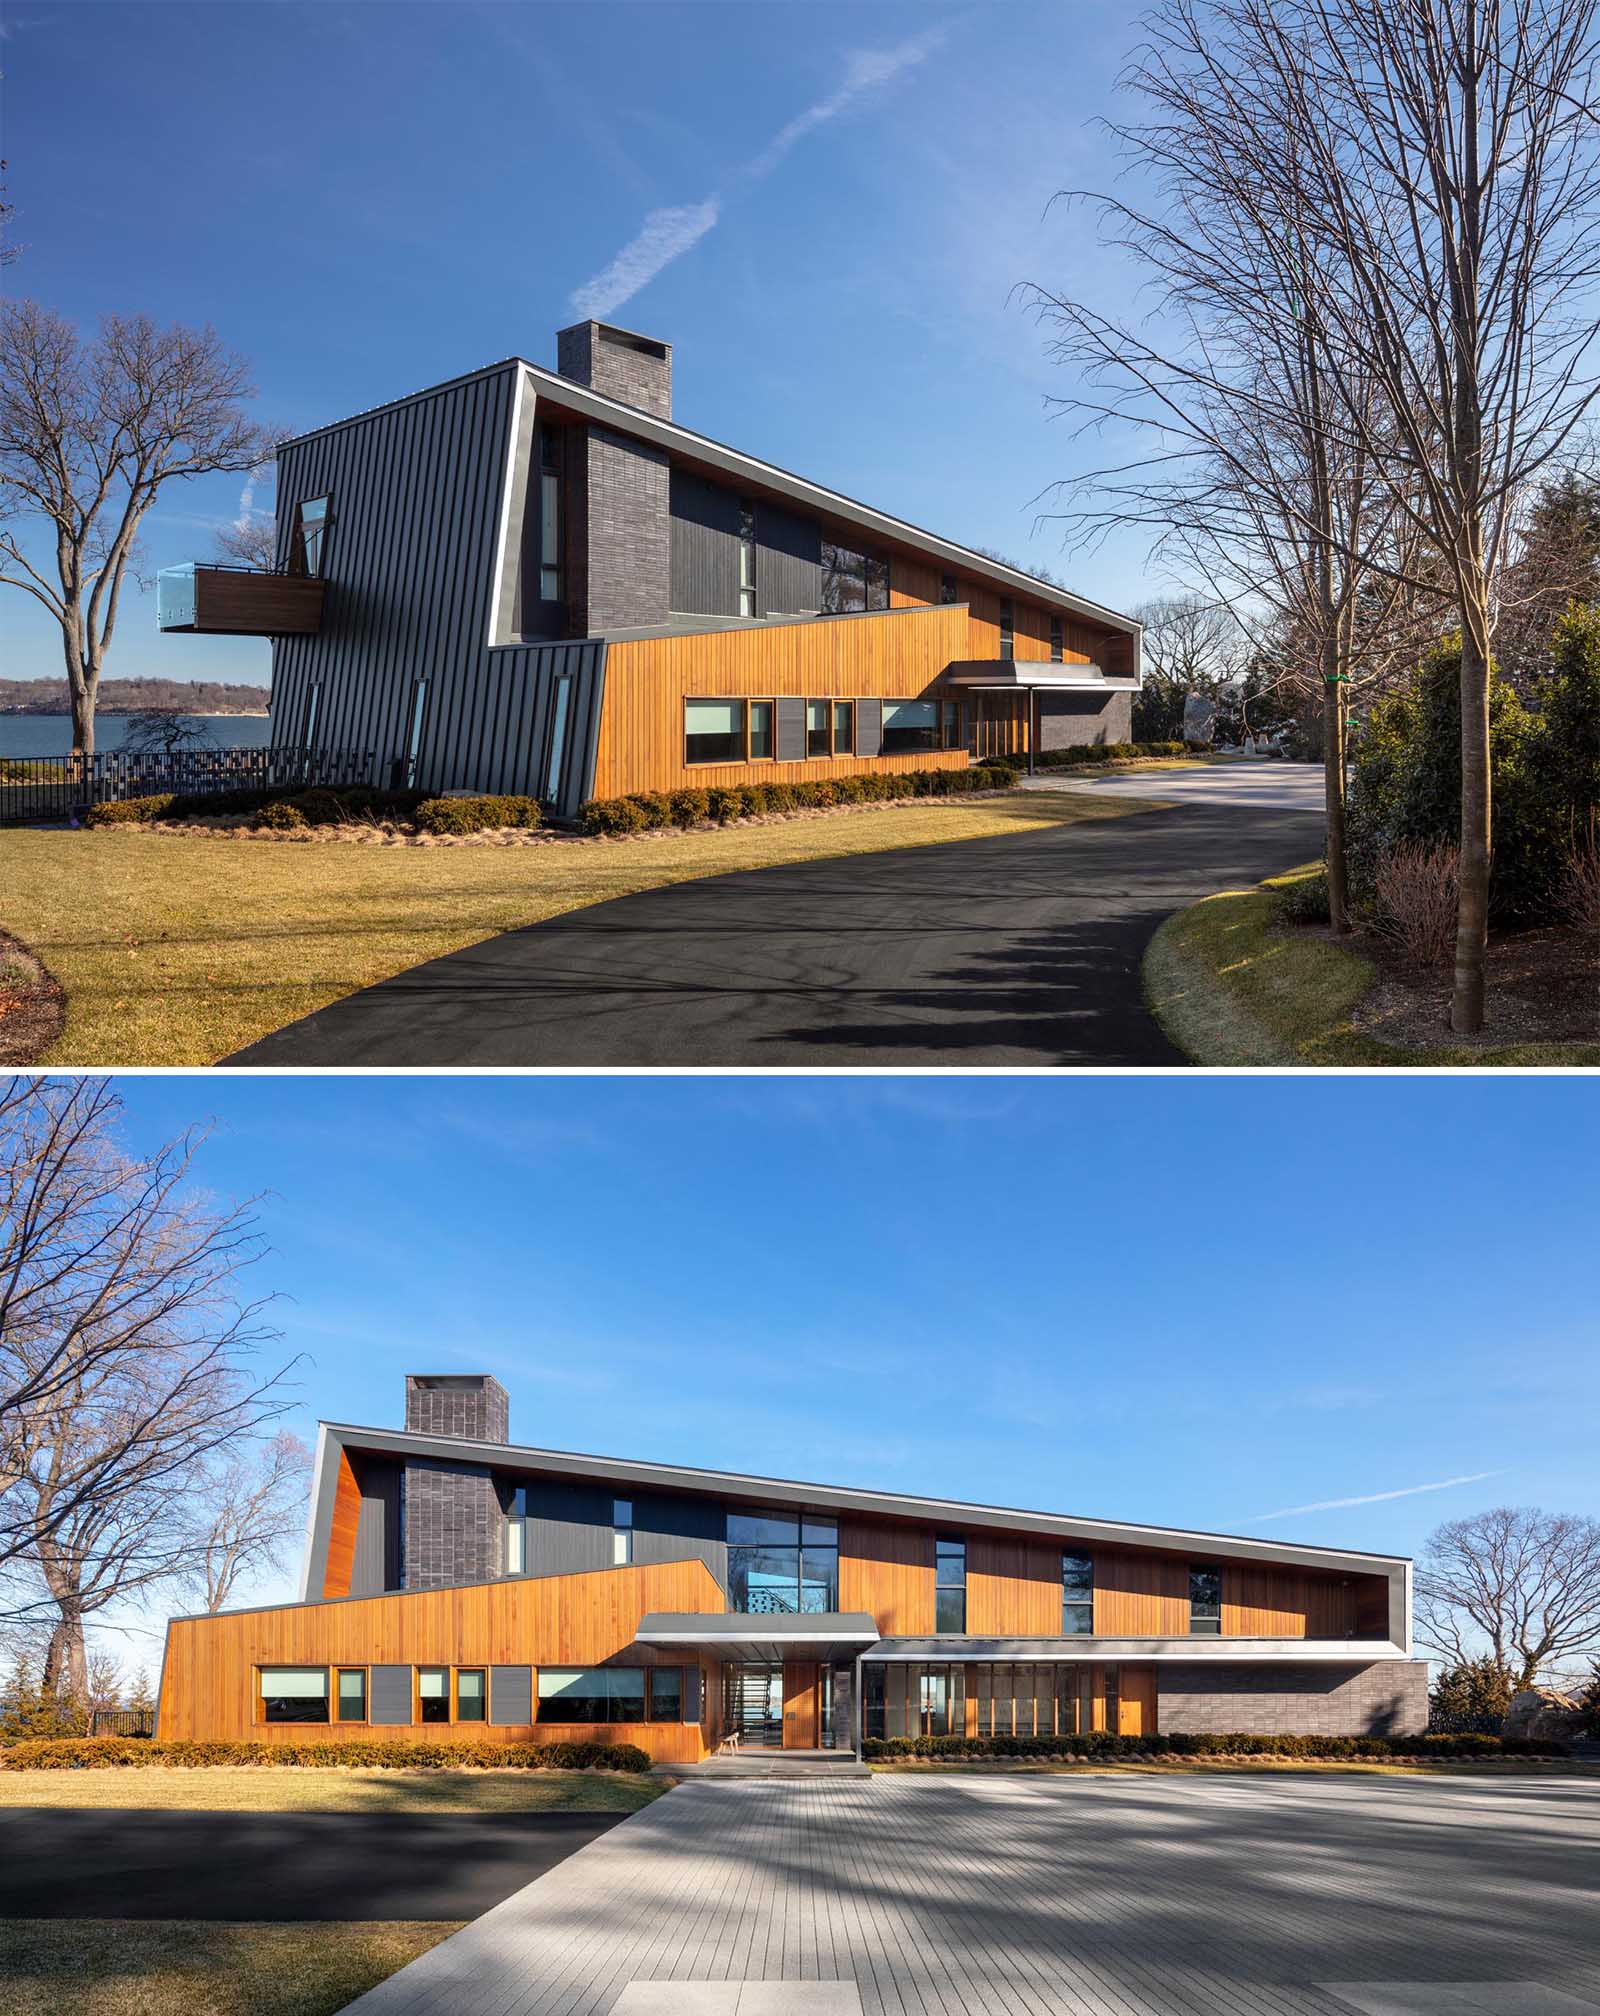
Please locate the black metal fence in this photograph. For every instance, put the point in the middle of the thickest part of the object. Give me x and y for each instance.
(122, 1721)
(38, 788)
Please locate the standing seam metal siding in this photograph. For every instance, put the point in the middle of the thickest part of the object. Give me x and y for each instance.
(417, 498)
(705, 552)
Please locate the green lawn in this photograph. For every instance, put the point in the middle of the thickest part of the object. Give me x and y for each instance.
(306, 1789)
(1232, 985)
(176, 949)
(187, 1967)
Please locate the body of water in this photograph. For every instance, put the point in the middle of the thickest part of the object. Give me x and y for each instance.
(51, 734)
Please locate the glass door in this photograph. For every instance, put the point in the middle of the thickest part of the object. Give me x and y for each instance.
(753, 1704)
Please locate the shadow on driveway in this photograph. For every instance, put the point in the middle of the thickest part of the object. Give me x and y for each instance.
(64, 1862)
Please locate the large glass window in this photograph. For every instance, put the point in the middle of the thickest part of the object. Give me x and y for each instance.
(549, 515)
(310, 537)
(592, 1694)
(760, 729)
(817, 743)
(950, 1583)
(1113, 1689)
(910, 724)
(844, 727)
(471, 1694)
(352, 1693)
(778, 1562)
(1077, 1596)
(1034, 1700)
(713, 731)
(852, 581)
(622, 1531)
(294, 1693)
(433, 1693)
(1205, 1602)
(913, 1700)
(666, 1693)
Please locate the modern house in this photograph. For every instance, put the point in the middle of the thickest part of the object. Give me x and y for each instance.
(537, 581)
(458, 1585)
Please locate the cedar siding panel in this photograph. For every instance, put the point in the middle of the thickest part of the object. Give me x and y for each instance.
(1013, 1587)
(887, 1571)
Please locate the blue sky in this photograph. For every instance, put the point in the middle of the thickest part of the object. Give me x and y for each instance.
(1201, 1305)
(365, 199)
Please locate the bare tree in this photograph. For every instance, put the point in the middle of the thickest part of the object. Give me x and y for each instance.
(252, 1510)
(124, 1358)
(90, 434)
(164, 731)
(1523, 1582)
(1447, 168)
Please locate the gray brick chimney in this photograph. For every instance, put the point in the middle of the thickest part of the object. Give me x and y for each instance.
(474, 1408)
(618, 362)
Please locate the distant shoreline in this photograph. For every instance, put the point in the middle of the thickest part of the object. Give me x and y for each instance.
(121, 713)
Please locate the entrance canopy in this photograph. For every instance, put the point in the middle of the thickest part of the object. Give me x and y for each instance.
(1031, 675)
(767, 1637)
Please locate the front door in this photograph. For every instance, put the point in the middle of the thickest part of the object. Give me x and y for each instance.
(753, 1704)
(800, 1704)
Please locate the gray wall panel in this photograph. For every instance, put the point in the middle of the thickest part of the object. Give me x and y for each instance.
(705, 546)
(389, 1694)
(510, 1694)
(569, 1529)
(791, 729)
(869, 727)
(788, 562)
(376, 1566)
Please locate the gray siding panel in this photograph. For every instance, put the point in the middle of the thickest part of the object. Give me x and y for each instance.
(389, 1694)
(788, 562)
(416, 517)
(705, 546)
(691, 1694)
(376, 1566)
(791, 730)
(569, 1530)
(510, 1694)
(869, 727)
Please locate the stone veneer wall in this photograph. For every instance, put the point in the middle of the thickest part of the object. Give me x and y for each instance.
(619, 370)
(628, 533)
(1068, 720)
(475, 1409)
(450, 1524)
(1387, 1698)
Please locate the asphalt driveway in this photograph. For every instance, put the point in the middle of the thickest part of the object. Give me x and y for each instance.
(1018, 950)
(65, 1862)
(1247, 1895)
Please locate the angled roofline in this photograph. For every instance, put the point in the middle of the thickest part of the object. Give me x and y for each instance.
(334, 1435)
(671, 434)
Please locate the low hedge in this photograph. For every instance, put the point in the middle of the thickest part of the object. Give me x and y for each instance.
(279, 806)
(883, 1749)
(1108, 752)
(646, 810)
(476, 815)
(85, 1753)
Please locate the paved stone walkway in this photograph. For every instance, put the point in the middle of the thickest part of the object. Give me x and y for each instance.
(1260, 1895)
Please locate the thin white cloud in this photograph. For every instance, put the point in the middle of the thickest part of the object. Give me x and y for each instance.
(664, 236)
(1378, 1497)
(247, 499)
(667, 234)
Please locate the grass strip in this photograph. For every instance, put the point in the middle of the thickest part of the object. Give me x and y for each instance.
(226, 1789)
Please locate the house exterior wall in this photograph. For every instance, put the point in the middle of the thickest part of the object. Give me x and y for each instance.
(628, 537)
(452, 1526)
(1386, 1698)
(1071, 720)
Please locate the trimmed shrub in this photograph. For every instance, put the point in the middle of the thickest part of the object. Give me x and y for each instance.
(130, 811)
(476, 815)
(689, 808)
(655, 805)
(725, 802)
(282, 815)
(611, 815)
(138, 1753)
(883, 1749)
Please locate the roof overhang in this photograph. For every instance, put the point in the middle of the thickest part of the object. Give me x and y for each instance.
(1191, 1651)
(1023, 675)
(768, 1638)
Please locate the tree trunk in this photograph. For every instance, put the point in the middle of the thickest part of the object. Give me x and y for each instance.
(82, 720)
(1472, 897)
(1333, 786)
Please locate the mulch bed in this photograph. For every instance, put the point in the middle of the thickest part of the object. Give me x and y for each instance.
(33, 1008)
(1542, 987)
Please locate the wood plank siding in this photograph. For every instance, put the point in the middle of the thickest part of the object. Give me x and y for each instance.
(346, 1524)
(1140, 1595)
(230, 601)
(208, 1683)
(895, 656)
(886, 1569)
(1013, 1587)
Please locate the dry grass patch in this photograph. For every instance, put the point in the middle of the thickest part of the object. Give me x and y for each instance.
(224, 1789)
(1320, 1767)
(178, 951)
(193, 1967)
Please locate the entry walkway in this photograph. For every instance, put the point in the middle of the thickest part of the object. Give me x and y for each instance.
(1113, 1895)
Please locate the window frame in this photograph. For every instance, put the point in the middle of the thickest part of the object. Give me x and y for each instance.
(1008, 629)
(1058, 639)
(456, 1715)
(418, 1719)
(621, 1533)
(541, 1673)
(738, 700)
(747, 558)
(949, 589)
(336, 1698)
(933, 730)
(1204, 1623)
(294, 1721)
(299, 555)
(1071, 1604)
(650, 1675)
(750, 706)
(820, 755)
(552, 514)
(848, 707)
(948, 1547)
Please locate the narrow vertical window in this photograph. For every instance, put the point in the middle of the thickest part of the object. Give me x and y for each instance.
(352, 1696)
(1008, 628)
(560, 707)
(471, 1694)
(433, 1693)
(817, 743)
(666, 1693)
(308, 551)
(419, 707)
(951, 717)
(1113, 1686)
(1056, 640)
(760, 729)
(844, 727)
(950, 1583)
(747, 560)
(516, 1532)
(947, 588)
(549, 516)
(1205, 1602)
(1077, 1596)
(308, 740)
(621, 1531)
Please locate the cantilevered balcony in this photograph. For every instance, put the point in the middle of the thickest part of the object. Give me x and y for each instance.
(238, 601)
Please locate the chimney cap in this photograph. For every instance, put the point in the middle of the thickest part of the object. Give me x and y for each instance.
(629, 339)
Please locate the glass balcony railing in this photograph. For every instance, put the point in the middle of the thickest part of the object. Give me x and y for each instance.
(175, 597)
